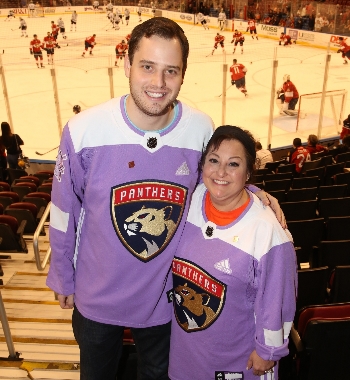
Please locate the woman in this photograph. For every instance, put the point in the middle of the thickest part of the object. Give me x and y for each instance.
(234, 273)
(12, 144)
(313, 146)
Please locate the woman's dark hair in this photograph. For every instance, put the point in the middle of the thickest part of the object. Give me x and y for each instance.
(230, 132)
(5, 133)
(161, 27)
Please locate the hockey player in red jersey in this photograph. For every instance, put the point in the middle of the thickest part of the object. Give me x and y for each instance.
(344, 49)
(252, 28)
(127, 38)
(237, 38)
(285, 39)
(238, 72)
(54, 31)
(298, 155)
(35, 48)
(219, 39)
(89, 43)
(287, 97)
(120, 51)
(49, 46)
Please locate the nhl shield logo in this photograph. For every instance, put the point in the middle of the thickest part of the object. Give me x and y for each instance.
(146, 215)
(198, 297)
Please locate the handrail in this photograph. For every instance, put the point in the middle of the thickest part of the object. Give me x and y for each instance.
(41, 265)
(7, 332)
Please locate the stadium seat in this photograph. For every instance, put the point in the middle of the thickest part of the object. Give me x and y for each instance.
(315, 156)
(282, 184)
(261, 171)
(334, 207)
(339, 290)
(15, 174)
(326, 160)
(25, 211)
(305, 182)
(340, 179)
(334, 253)
(334, 191)
(278, 176)
(28, 178)
(317, 172)
(338, 228)
(311, 165)
(5, 186)
(297, 195)
(342, 157)
(8, 197)
(272, 166)
(332, 170)
(42, 175)
(299, 210)
(23, 188)
(257, 178)
(289, 168)
(45, 188)
(11, 235)
(322, 342)
(280, 195)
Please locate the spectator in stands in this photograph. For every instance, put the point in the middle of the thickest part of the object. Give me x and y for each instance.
(346, 128)
(262, 156)
(344, 147)
(313, 146)
(298, 155)
(12, 142)
(3, 158)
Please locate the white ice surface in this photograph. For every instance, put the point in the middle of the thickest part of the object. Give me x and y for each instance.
(85, 81)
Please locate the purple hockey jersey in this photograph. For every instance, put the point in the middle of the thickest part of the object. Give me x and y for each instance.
(234, 292)
(119, 203)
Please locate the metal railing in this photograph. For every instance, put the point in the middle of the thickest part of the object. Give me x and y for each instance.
(41, 264)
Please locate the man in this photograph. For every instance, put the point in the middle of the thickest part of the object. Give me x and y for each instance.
(120, 51)
(54, 32)
(73, 21)
(222, 19)
(109, 7)
(202, 20)
(287, 97)
(49, 46)
(238, 72)
(238, 38)
(252, 28)
(139, 11)
(23, 27)
(285, 39)
(346, 128)
(119, 15)
(35, 48)
(89, 43)
(113, 239)
(219, 40)
(263, 156)
(31, 9)
(298, 155)
(60, 25)
(153, 6)
(344, 49)
(11, 14)
(95, 5)
(127, 16)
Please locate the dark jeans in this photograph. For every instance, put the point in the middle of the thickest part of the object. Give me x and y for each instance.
(101, 348)
(293, 103)
(12, 160)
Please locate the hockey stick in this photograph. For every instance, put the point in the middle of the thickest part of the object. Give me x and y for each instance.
(42, 154)
(226, 90)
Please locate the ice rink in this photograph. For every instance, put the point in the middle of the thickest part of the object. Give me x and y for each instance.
(85, 81)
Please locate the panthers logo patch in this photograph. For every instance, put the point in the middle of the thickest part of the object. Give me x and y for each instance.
(146, 215)
(198, 297)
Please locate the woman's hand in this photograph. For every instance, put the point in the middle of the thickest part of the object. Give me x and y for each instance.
(269, 200)
(259, 365)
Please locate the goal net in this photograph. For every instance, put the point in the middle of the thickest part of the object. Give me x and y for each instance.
(327, 119)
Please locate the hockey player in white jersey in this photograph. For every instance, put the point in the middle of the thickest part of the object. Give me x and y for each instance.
(31, 9)
(95, 5)
(10, 15)
(127, 16)
(60, 24)
(23, 27)
(109, 7)
(73, 21)
(119, 15)
(139, 11)
(222, 19)
(202, 20)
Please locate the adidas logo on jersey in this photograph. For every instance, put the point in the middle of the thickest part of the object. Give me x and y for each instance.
(223, 266)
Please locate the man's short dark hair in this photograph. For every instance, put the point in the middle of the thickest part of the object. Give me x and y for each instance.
(297, 142)
(161, 27)
(258, 145)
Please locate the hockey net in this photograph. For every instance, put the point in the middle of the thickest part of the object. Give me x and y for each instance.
(38, 12)
(309, 111)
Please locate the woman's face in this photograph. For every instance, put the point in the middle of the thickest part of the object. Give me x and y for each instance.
(225, 174)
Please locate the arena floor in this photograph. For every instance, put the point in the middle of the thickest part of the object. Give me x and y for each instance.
(85, 81)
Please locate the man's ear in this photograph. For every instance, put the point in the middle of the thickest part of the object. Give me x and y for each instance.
(127, 66)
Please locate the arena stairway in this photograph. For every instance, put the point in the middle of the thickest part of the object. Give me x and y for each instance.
(41, 330)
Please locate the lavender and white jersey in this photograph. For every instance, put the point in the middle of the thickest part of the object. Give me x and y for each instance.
(119, 204)
(234, 292)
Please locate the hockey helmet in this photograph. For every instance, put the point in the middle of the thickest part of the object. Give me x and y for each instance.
(286, 77)
(60, 18)
(123, 41)
(282, 32)
(76, 108)
(21, 18)
(35, 35)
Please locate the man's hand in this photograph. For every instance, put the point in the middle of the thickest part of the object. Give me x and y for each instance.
(259, 365)
(66, 302)
(269, 200)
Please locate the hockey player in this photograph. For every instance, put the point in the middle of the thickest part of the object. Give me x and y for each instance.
(31, 9)
(120, 51)
(50, 44)
(127, 16)
(153, 6)
(127, 38)
(109, 7)
(23, 27)
(298, 155)
(10, 15)
(287, 97)
(285, 39)
(60, 25)
(219, 39)
(139, 11)
(202, 20)
(54, 31)
(73, 21)
(237, 38)
(89, 43)
(35, 48)
(344, 49)
(252, 28)
(76, 109)
(222, 19)
(119, 15)
(95, 5)
(238, 72)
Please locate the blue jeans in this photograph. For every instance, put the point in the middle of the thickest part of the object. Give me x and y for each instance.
(12, 160)
(101, 347)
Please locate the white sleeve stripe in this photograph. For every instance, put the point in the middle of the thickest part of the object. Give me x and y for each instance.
(58, 218)
(286, 329)
(273, 338)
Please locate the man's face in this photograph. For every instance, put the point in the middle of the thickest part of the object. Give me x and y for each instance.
(155, 76)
